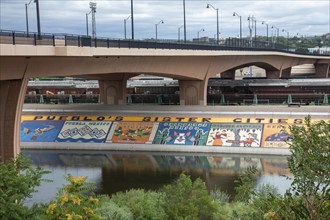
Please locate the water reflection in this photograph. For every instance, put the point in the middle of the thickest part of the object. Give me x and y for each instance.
(119, 171)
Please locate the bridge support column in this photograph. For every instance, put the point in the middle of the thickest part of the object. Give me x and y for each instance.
(273, 74)
(12, 93)
(286, 73)
(113, 92)
(193, 92)
(322, 70)
(230, 74)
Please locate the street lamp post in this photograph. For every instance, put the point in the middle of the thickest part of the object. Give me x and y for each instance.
(87, 23)
(132, 20)
(92, 6)
(160, 22)
(125, 20)
(287, 38)
(179, 28)
(184, 22)
(38, 17)
(263, 22)
(201, 30)
(208, 6)
(240, 26)
(277, 35)
(27, 17)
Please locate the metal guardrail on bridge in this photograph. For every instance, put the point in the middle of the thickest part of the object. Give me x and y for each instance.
(19, 37)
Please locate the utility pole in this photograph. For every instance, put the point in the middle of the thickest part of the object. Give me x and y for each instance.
(132, 20)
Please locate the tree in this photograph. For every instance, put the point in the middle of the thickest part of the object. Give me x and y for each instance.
(187, 199)
(18, 180)
(309, 197)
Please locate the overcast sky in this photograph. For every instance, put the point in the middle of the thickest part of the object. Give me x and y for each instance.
(68, 16)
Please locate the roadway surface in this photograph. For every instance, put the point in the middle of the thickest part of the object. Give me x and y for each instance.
(267, 111)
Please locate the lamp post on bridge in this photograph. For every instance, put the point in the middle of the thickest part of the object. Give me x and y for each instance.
(277, 35)
(184, 22)
(263, 22)
(87, 23)
(125, 20)
(38, 17)
(201, 30)
(179, 28)
(211, 6)
(27, 17)
(240, 26)
(287, 38)
(160, 22)
(132, 20)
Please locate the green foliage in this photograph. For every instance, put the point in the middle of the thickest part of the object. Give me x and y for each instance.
(72, 202)
(18, 180)
(143, 204)
(187, 199)
(234, 211)
(310, 166)
(219, 196)
(245, 188)
(109, 210)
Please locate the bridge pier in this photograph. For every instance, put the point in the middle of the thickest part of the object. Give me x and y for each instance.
(322, 70)
(11, 99)
(193, 92)
(113, 92)
(230, 74)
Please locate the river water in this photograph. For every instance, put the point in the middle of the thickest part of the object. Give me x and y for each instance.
(114, 171)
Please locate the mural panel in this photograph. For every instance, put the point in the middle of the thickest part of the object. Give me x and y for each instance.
(131, 132)
(84, 131)
(182, 133)
(276, 135)
(40, 131)
(235, 135)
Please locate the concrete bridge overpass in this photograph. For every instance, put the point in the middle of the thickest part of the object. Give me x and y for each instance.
(113, 66)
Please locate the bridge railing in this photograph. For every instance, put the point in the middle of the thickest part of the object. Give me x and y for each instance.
(32, 38)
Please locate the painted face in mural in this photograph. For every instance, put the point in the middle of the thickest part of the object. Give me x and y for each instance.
(180, 138)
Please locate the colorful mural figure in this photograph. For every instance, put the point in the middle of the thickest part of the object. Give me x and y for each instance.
(84, 131)
(40, 131)
(182, 133)
(235, 135)
(276, 135)
(131, 132)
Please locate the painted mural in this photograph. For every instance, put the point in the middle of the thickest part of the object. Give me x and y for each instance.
(40, 131)
(276, 135)
(182, 133)
(131, 132)
(235, 135)
(84, 131)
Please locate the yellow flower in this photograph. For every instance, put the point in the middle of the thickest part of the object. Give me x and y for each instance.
(64, 198)
(270, 215)
(78, 181)
(50, 209)
(69, 217)
(94, 201)
(75, 199)
(88, 210)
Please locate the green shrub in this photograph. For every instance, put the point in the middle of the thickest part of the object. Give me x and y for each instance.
(18, 180)
(143, 204)
(187, 199)
(109, 210)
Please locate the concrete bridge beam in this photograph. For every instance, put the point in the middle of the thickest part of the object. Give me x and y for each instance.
(11, 99)
(193, 92)
(322, 70)
(113, 92)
